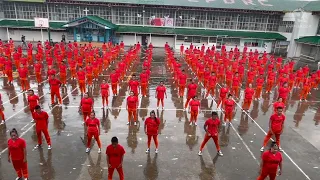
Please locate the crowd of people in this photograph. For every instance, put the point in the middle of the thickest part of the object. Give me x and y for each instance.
(210, 69)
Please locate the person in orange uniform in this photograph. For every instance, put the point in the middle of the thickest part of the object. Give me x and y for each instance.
(151, 129)
(41, 119)
(194, 108)
(270, 81)
(283, 92)
(86, 106)
(161, 91)
(23, 74)
(93, 129)
(144, 83)
(276, 126)
(73, 67)
(50, 72)
(211, 127)
(114, 78)
(278, 103)
(229, 105)
(115, 153)
(3, 120)
(33, 101)
(89, 73)
(182, 81)
(8, 70)
(37, 69)
(105, 91)
(17, 154)
(224, 90)
(134, 85)
(132, 108)
(81, 78)
(259, 83)
(63, 73)
(55, 89)
(270, 161)
(191, 92)
(236, 84)
(248, 96)
(306, 86)
(212, 85)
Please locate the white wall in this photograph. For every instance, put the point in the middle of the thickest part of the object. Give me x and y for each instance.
(129, 40)
(305, 24)
(160, 41)
(3, 34)
(31, 35)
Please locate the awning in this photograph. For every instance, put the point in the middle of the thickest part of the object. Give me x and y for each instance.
(28, 24)
(93, 19)
(312, 40)
(200, 32)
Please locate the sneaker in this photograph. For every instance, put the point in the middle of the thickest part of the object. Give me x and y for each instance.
(195, 124)
(87, 150)
(243, 111)
(156, 151)
(200, 153)
(128, 123)
(220, 153)
(157, 108)
(229, 123)
(2, 122)
(280, 149)
(49, 147)
(190, 124)
(37, 146)
(102, 107)
(262, 149)
(300, 100)
(148, 150)
(99, 150)
(18, 178)
(224, 124)
(32, 121)
(135, 123)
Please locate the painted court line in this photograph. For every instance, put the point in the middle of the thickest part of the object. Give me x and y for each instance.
(50, 110)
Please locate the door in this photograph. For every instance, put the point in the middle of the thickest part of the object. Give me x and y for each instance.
(144, 40)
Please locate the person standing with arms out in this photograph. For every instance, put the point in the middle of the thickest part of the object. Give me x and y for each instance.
(192, 91)
(132, 108)
(223, 94)
(115, 154)
(182, 80)
(93, 129)
(42, 120)
(86, 106)
(33, 101)
(228, 108)
(151, 128)
(194, 108)
(211, 126)
(160, 92)
(81, 78)
(105, 91)
(55, 89)
(270, 161)
(114, 78)
(276, 126)
(248, 95)
(17, 155)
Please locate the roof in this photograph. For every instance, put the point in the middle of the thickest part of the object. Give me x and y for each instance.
(27, 24)
(312, 6)
(94, 19)
(314, 40)
(262, 5)
(200, 32)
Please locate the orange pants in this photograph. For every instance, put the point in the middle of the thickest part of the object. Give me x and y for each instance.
(24, 84)
(265, 173)
(105, 100)
(246, 104)
(228, 115)
(194, 116)
(221, 100)
(228, 82)
(95, 73)
(96, 137)
(258, 91)
(73, 72)
(269, 135)
(46, 135)
(120, 171)
(235, 91)
(298, 81)
(21, 168)
(63, 78)
(132, 113)
(269, 85)
(82, 86)
(155, 139)
(187, 102)
(211, 91)
(160, 100)
(85, 115)
(181, 89)
(57, 94)
(114, 87)
(38, 77)
(89, 79)
(200, 76)
(1, 115)
(304, 93)
(220, 77)
(206, 139)
(290, 85)
(9, 74)
(144, 89)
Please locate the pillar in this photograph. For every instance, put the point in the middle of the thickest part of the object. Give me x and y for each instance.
(75, 34)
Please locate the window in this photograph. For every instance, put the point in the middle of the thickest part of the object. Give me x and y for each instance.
(286, 26)
(8, 10)
(31, 10)
(231, 41)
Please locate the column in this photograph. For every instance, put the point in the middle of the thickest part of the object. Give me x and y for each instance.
(150, 38)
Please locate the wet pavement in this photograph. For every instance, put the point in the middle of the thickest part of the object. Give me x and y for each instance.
(179, 142)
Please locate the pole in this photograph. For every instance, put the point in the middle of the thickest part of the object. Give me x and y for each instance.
(41, 36)
(135, 38)
(8, 34)
(150, 38)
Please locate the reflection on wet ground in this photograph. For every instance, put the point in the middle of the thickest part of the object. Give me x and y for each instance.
(179, 142)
